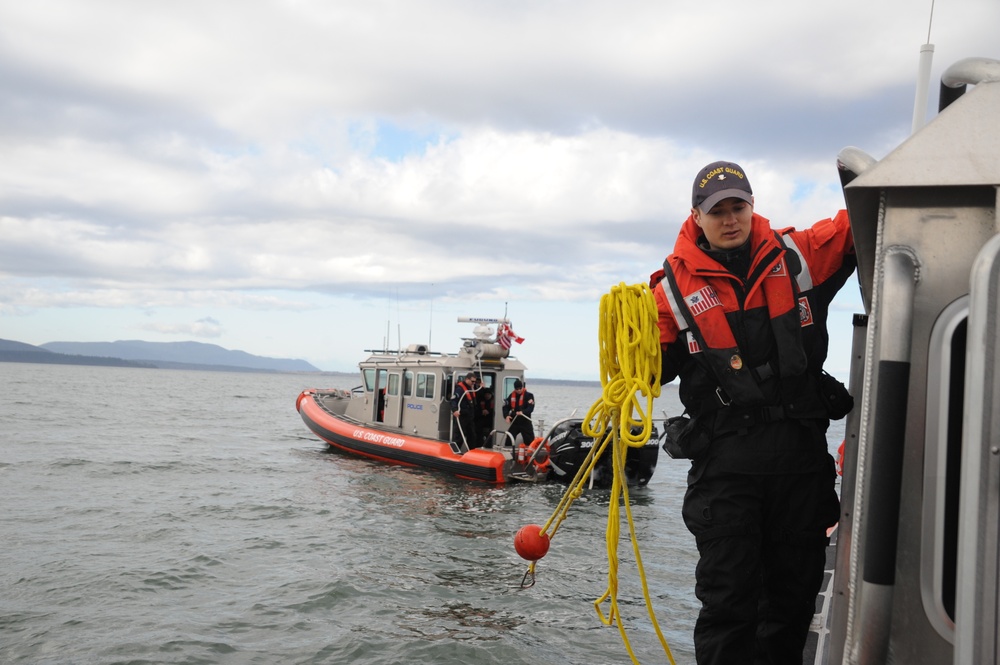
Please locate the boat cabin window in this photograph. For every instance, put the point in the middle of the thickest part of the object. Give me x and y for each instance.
(953, 468)
(508, 386)
(425, 385)
(408, 383)
(370, 379)
(943, 456)
(394, 384)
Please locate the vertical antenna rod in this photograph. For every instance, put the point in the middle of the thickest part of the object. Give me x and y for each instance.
(923, 79)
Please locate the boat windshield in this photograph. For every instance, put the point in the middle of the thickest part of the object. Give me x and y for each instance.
(370, 378)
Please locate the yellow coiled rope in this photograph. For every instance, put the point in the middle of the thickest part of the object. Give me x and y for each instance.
(630, 380)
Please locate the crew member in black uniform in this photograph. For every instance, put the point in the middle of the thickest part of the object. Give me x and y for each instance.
(484, 413)
(463, 408)
(517, 409)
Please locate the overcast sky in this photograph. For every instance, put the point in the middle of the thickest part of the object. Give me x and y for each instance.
(306, 178)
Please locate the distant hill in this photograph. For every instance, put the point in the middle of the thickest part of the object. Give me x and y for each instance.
(7, 345)
(19, 352)
(192, 355)
(175, 355)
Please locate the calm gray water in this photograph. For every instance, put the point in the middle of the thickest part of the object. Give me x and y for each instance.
(158, 516)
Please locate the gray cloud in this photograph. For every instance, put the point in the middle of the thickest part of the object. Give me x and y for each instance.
(264, 155)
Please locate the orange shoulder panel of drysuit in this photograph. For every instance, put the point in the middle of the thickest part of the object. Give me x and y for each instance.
(825, 244)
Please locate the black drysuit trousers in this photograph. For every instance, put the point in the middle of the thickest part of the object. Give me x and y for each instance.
(762, 542)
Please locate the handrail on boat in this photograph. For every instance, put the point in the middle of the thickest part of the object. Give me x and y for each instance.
(969, 71)
(900, 272)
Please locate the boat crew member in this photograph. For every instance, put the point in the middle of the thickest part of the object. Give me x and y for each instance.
(742, 319)
(463, 408)
(484, 413)
(517, 409)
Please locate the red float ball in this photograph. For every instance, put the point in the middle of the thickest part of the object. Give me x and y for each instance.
(531, 543)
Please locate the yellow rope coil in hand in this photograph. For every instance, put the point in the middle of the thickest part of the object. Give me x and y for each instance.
(630, 364)
(630, 380)
(630, 377)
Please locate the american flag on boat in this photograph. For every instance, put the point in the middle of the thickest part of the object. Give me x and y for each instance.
(506, 334)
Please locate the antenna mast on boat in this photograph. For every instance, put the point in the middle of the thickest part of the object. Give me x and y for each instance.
(923, 79)
(399, 325)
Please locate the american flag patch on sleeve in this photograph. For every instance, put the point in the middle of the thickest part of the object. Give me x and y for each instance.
(702, 300)
(693, 345)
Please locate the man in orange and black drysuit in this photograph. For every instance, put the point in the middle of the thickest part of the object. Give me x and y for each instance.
(742, 318)
(517, 410)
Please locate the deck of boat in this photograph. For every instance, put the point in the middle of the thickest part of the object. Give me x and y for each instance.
(817, 648)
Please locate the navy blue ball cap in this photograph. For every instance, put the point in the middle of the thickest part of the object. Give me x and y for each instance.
(717, 181)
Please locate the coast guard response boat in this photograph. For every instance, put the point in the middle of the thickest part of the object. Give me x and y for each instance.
(401, 414)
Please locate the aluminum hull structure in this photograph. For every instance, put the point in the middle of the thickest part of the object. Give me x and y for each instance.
(915, 572)
(401, 414)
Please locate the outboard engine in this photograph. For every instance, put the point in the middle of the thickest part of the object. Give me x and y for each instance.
(569, 447)
(641, 462)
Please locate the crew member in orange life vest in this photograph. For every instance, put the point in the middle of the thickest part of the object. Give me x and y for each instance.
(463, 408)
(517, 410)
(742, 318)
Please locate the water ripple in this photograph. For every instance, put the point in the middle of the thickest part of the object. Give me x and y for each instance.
(213, 528)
